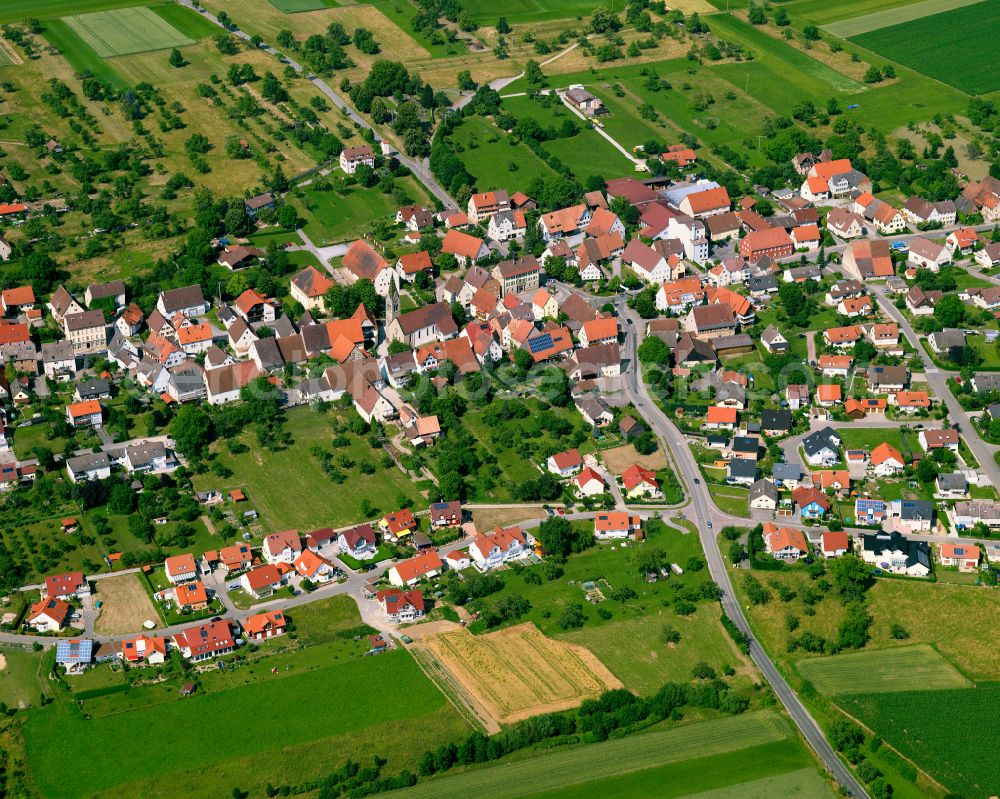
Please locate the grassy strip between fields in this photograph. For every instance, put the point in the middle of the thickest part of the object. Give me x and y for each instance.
(881, 670)
(598, 762)
(884, 18)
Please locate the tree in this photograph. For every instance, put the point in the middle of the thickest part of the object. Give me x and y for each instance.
(559, 538)
(851, 576)
(503, 26)
(191, 429)
(572, 616)
(811, 32)
(176, 59)
(533, 73)
(949, 311)
(465, 81)
(757, 15)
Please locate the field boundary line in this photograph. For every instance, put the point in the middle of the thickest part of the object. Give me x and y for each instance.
(437, 673)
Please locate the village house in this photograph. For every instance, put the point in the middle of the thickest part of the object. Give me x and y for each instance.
(265, 625)
(931, 440)
(397, 525)
(187, 301)
(309, 287)
(771, 242)
(834, 544)
(359, 542)
(927, 254)
(641, 483)
(205, 641)
(589, 483)
(353, 157)
(485, 204)
(564, 222)
(617, 525)
(151, 650)
(565, 464)
(501, 546)
(410, 572)
(868, 258)
(895, 553)
(763, 495)
(314, 567)
(190, 596)
(886, 461)
(784, 543)
(401, 606)
(964, 556)
(262, 581)
(90, 466)
(71, 585)
(48, 615)
(85, 414)
(181, 568)
(281, 547)
(86, 331)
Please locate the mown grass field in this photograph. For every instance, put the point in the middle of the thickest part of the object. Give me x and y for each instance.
(883, 15)
(21, 677)
(674, 761)
(289, 488)
(587, 153)
(634, 652)
(945, 732)
(126, 30)
(286, 711)
(346, 212)
(13, 10)
(495, 159)
(295, 6)
(79, 54)
(882, 670)
(954, 47)
(487, 13)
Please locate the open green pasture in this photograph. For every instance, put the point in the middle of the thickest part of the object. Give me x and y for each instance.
(881, 670)
(517, 11)
(494, 158)
(945, 732)
(294, 6)
(126, 30)
(14, 10)
(289, 488)
(286, 711)
(960, 47)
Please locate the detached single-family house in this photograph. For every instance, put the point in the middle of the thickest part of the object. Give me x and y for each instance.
(617, 524)
(784, 543)
(566, 463)
(895, 553)
(206, 641)
(410, 572)
(359, 542)
(499, 547)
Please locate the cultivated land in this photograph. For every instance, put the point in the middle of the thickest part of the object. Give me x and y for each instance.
(518, 672)
(953, 47)
(881, 671)
(884, 18)
(126, 605)
(946, 732)
(618, 459)
(126, 30)
(727, 748)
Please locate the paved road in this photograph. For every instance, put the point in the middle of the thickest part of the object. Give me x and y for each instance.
(937, 380)
(420, 168)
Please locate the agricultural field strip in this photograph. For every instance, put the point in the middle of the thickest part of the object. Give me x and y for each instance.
(804, 782)
(517, 669)
(608, 759)
(846, 28)
(125, 31)
(951, 47)
(882, 670)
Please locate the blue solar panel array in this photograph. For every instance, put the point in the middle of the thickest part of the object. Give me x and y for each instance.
(539, 343)
(75, 651)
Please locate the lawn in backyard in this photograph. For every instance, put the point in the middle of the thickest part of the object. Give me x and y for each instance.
(881, 670)
(494, 158)
(870, 437)
(289, 487)
(953, 47)
(287, 711)
(730, 499)
(667, 761)
(610, 566)
(344, 213)
(125, 30)
(945, 732)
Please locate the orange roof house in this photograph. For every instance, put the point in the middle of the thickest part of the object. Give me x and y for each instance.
(719, 416)
(617, 524)
(829, 393)
(784, 542)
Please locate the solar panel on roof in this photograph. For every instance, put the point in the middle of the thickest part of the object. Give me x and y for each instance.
(539, 343)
